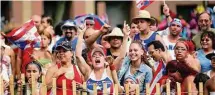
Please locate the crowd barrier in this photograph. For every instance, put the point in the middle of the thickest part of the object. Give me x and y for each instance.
(84, 92)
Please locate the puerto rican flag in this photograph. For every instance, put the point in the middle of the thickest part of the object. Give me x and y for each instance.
(142, 4)
(79, 20)
(26, 38)
(158, 77)
(104, 18)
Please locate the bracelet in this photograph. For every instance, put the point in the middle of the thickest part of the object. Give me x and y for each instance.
(112, 67)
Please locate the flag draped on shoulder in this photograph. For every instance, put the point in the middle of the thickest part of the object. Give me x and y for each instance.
(25, 36)
(159, 76)
(142, 4)
(79, 20)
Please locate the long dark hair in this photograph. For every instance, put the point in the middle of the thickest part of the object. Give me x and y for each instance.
(181, 67)
(144, 56)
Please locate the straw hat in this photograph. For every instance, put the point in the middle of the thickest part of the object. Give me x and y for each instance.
(143, 14)
(116, 32)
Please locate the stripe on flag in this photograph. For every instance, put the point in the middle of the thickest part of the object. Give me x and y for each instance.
(79, 20)
(158, 76)
(142, 4)
(25, 36)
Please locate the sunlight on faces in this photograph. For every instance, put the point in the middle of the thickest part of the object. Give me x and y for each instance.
(90, 23)
(204, 21)
(135, 52)
(64, 55)
(154, 53)
(181, 51)
(45, 41)
(206, 42)
(134, 29)
(32, 69)
(175, 29)
(153, 28)
(37, 20)
(98, 60)
(142, 24)
(132, 85)
(105, 43)
(44, 22)
(115, 41)
(69, 31)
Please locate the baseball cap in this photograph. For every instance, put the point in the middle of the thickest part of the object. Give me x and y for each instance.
(65, 45)
(97, 49)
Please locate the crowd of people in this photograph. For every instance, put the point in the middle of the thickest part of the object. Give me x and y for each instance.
(136, 54)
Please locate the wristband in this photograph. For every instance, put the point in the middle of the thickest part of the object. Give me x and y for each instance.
(112, 67)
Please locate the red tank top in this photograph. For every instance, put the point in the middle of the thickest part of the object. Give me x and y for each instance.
(77, 78)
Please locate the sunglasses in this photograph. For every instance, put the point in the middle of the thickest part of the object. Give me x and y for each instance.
(66, 28)
(205, 40)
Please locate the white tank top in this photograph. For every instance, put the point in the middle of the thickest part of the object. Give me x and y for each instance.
(105, 78)
(170, 46)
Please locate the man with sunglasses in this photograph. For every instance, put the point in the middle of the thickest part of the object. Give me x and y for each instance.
(204, 23)
(69, 34)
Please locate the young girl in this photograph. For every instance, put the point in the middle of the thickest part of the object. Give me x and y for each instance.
(31, 68)
(43, 55)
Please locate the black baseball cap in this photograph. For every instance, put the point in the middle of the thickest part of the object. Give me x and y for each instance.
(65, 45)
(210, 56)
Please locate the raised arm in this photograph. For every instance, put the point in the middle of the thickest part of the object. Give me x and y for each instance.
(95, 36)
(110, 60)
(166, 13)
(82, 65)
(126, 31)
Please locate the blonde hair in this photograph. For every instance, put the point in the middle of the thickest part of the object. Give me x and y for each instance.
(48, 35)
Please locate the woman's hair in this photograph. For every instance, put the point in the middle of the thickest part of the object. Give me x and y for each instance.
(200, 78)
(144, 56)
(190, 45)
(48, 35)
(210, 35)
(35, 63)
(38, 66)
(180, 67)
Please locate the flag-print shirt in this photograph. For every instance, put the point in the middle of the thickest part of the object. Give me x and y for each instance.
(143, 74)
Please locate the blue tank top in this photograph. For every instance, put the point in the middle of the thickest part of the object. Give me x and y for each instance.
(146, 41)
